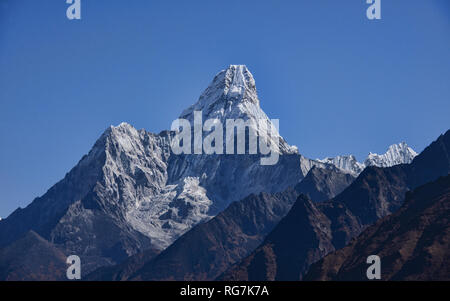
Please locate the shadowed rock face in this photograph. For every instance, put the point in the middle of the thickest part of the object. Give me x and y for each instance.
(376, 193)
(124, 270)
(32, 258)
(413, 243)
(304, 236)
(210, 248)
(322, 184)
(272, 261)
(115, 239)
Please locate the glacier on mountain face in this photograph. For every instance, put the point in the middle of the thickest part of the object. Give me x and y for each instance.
(200, 186)
(396, 154)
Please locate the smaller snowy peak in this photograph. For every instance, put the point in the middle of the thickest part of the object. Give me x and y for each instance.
(396, 154)
(122, 126)
(123, 135)
(124, 129)
(112, 131)
(123, 142)
(348, 164)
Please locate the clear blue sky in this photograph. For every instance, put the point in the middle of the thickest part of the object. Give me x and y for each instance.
(338, 82)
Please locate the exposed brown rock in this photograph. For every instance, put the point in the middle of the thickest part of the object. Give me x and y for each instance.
(413, 243)
(32, 258)
(376, 193)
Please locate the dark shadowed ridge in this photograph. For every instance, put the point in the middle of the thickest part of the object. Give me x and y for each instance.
(308, 234)
(32, 258)
(321, 184)
(208, 249)
(413, 243)
(376, 193)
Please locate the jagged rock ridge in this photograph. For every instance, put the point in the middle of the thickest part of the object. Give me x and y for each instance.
(298, 241)
(413, 243)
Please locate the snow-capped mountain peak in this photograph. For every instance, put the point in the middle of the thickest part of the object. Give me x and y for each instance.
(396, 154)
(232, 95)
(348, 164)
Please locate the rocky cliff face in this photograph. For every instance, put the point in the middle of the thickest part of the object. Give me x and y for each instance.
(310, 229)
(273, 261)
(322, 184)
(32, 258)
(207, 250)
(309, 232)
(413, 243)
(376, 193)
